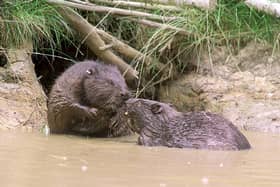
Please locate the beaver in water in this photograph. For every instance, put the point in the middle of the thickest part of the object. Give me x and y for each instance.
(160, 124)
(86, 95)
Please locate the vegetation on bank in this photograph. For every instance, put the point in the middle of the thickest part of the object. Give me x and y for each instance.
(231, 23)
(36, 20)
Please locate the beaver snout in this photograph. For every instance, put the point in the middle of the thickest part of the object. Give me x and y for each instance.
(125, 95)
(119, 100)
(132, 101)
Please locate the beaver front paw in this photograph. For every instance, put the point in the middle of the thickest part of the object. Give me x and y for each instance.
(92, 112)
(84, 110)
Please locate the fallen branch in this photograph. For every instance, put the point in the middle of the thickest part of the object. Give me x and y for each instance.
(116, 11)
(95, 43)
(141, 5)
(161, 26)
(123, 48)
(205, 4)
(266, 6)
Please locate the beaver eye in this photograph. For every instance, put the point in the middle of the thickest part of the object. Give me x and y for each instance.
(89, 71)
(156, 108)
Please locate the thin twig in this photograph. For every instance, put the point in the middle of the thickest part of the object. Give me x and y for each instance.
(161, 26)
(123, 48)
(141, 5)
(204, 4)
(116, 11)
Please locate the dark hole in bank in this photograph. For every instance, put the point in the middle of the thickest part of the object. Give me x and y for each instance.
(50, 63)
(3, 59)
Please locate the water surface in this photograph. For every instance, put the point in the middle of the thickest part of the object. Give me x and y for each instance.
(31, 159)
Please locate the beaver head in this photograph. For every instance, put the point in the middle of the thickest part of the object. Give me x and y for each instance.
(147, 113)
(104, 87)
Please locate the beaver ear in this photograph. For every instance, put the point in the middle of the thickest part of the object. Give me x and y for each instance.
(156, 108)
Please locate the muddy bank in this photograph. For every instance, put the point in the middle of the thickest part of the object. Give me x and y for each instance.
(22, 100)
(244, 88)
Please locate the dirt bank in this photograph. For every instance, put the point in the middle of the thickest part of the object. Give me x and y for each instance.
(244, 88)
(22, 100)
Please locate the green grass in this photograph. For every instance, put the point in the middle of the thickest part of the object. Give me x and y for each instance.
(24, 20)
(231, 24)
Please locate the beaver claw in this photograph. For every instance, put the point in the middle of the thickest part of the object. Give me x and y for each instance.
(82, 110)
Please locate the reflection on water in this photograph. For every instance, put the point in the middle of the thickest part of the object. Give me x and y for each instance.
(35, 160)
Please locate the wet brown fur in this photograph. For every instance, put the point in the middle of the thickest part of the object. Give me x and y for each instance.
(160, 124)
(85, 96)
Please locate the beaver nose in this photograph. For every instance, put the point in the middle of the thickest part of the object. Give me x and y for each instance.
(125, 95)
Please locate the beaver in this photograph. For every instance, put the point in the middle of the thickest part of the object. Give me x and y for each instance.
(108, 126)
(160, 124)
(86, 94)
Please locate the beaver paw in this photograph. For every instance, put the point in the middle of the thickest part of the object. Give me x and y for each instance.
(92, 112)
(84, 110)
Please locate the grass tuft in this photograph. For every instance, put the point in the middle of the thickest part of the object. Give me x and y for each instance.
(232, 24)
(25, 20)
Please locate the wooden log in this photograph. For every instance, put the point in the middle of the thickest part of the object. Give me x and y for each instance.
(266, 6)
(205, 4)
(123, 48)
(141, 5)
(110, 10)
(95, 43)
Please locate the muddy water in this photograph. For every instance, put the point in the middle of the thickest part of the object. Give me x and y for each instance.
(30, 159)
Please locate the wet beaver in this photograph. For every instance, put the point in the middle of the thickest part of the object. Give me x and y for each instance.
(86, 94)
(109, 126)
(159, 124)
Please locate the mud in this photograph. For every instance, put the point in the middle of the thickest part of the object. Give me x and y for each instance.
(244, 87)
